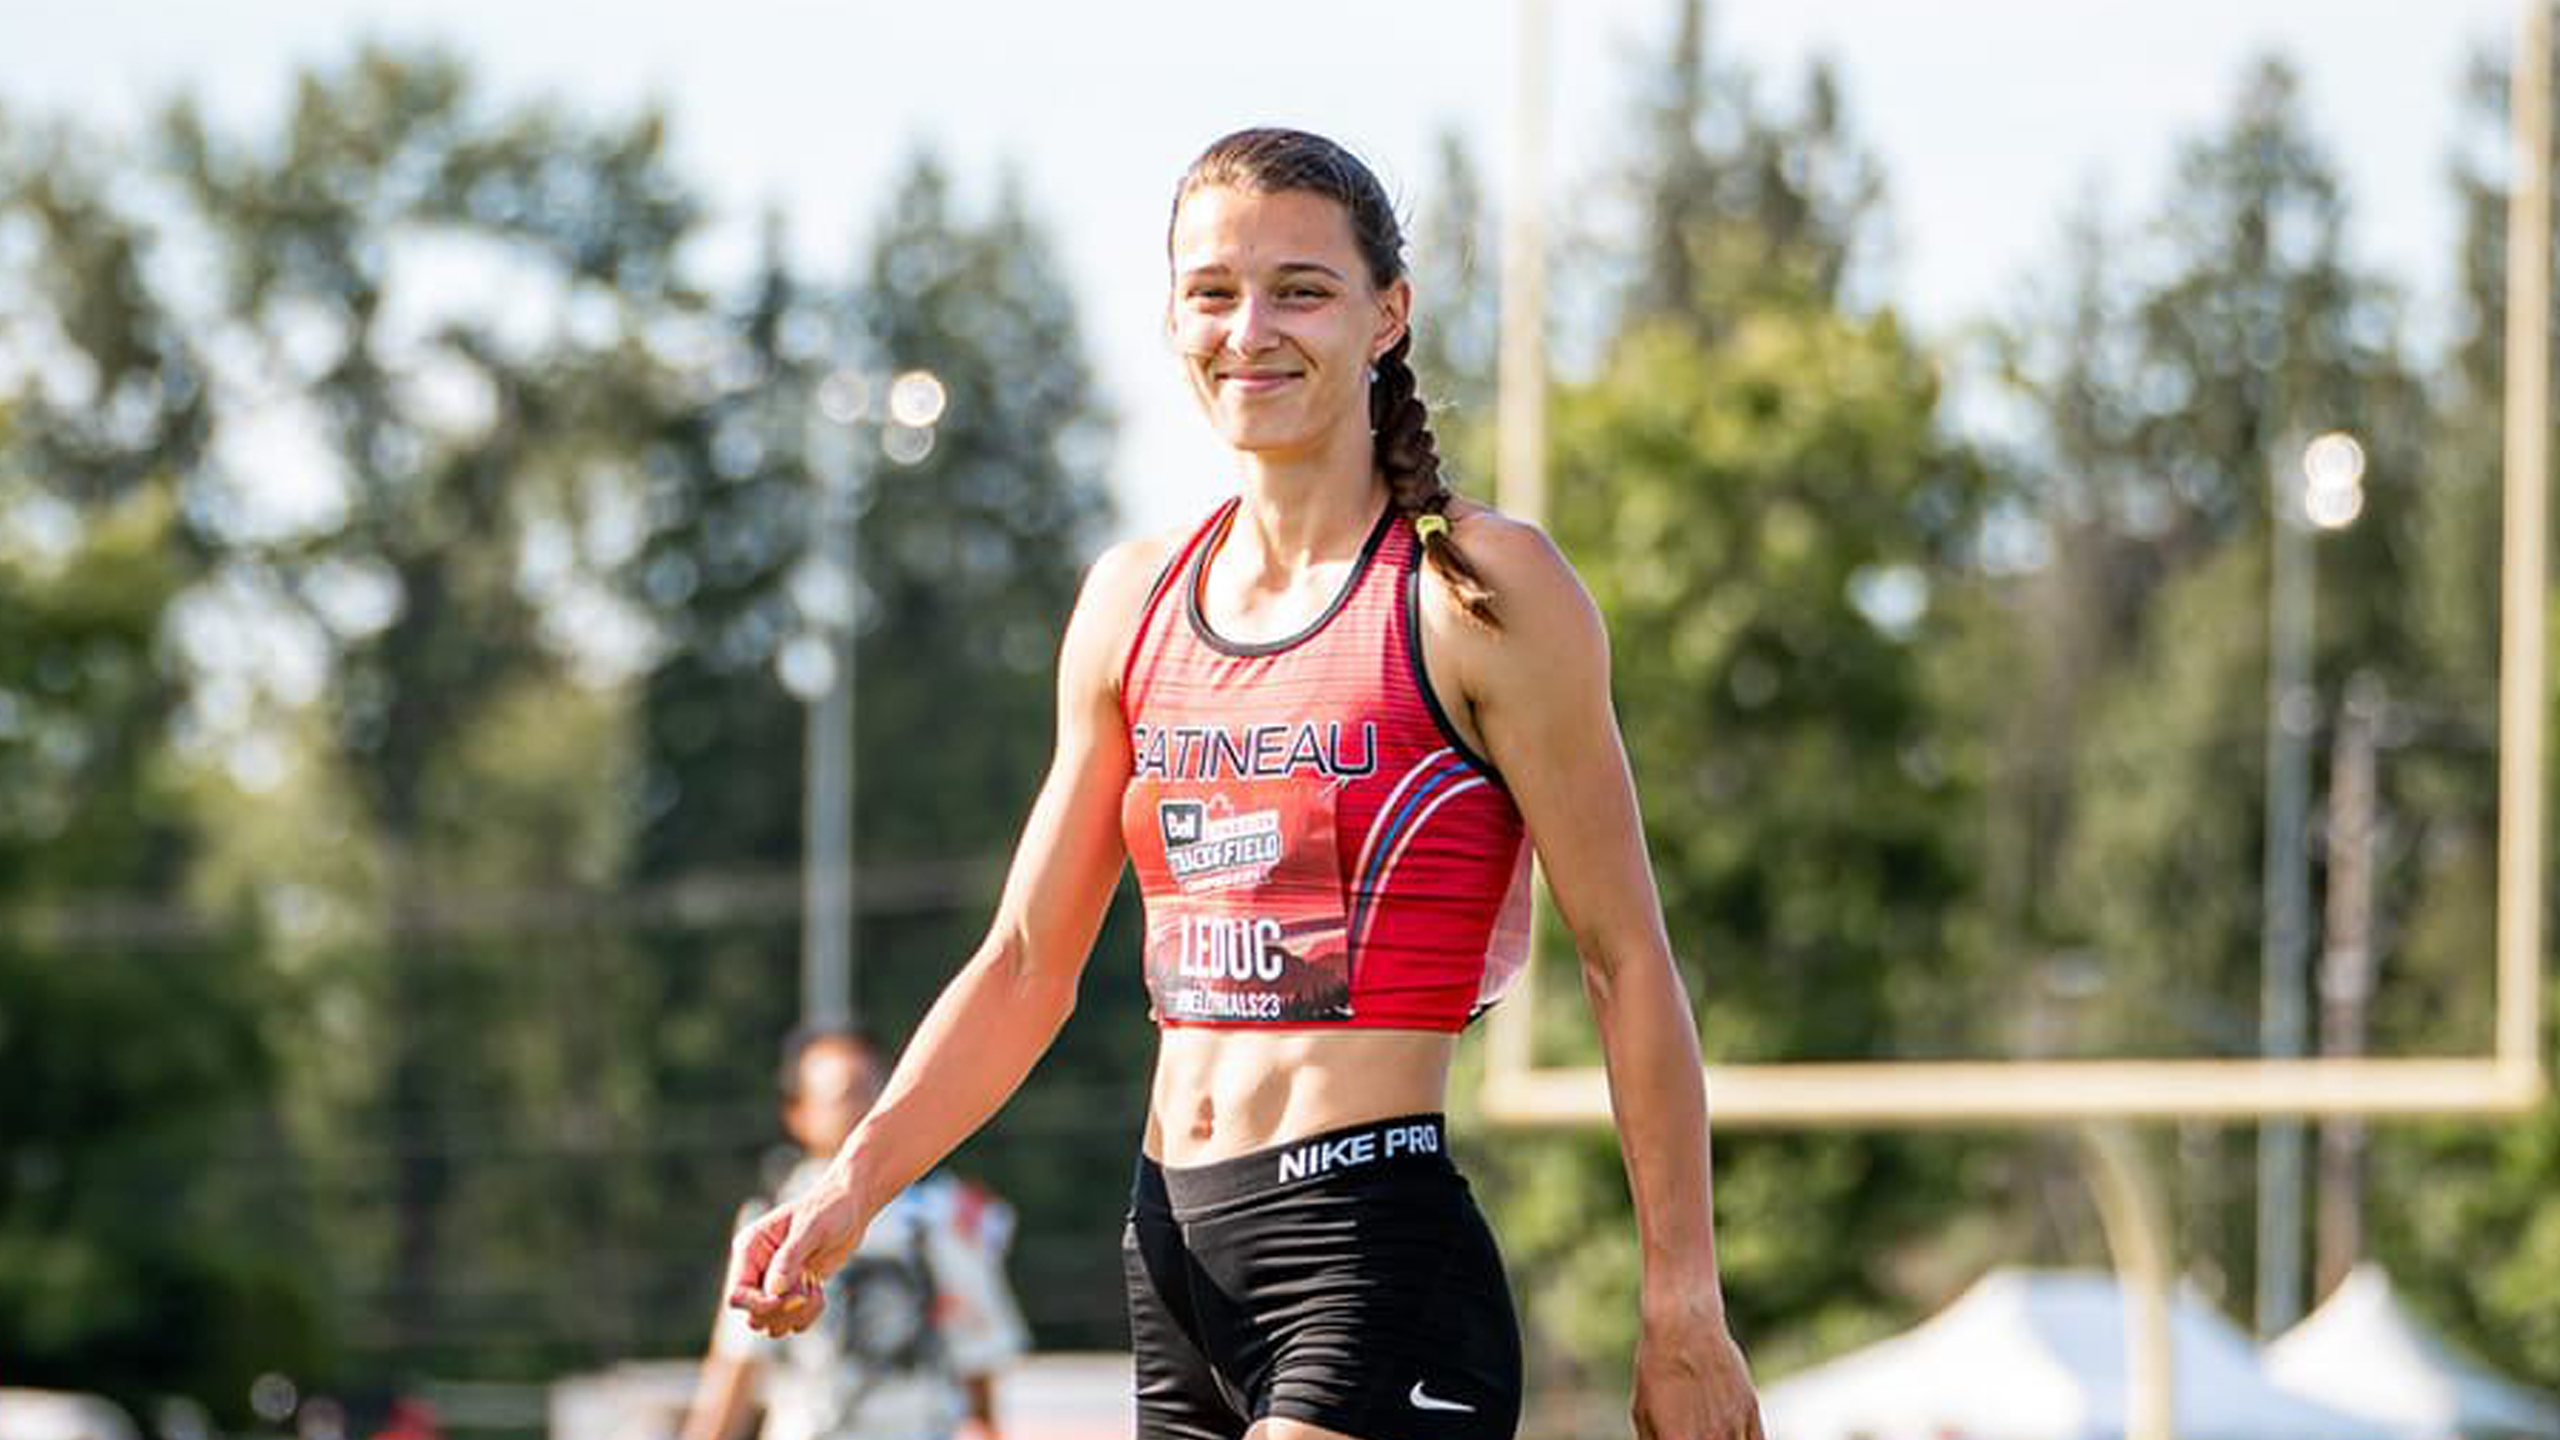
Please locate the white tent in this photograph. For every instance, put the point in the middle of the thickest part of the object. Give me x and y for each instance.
(2039, 1355)
(2363, 1351)
(61, 1415)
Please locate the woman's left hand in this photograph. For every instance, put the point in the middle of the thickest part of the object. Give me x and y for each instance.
(1692, 1382)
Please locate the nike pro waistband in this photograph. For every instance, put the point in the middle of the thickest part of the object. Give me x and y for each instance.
(1403, 1141)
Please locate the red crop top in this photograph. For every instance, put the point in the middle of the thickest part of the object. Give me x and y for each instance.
(1316, 844)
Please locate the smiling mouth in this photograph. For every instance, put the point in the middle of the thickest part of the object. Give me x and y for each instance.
(1258, 381)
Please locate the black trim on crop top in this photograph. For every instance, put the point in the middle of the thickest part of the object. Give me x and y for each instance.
(1197, 573)
(1422, 672)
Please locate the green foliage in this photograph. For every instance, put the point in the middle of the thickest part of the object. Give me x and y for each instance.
(122, 1039)
(971, 555)
(1731, 508)
(1759, 489)
(2466, 1214)
(1762, 520)
(969, 560)
(2172, 378)
(1457, 316)
(466, 442)
(2472, 1230)
(523, 1114)
(2166, 804)
(1735, 204)
(114, 1067)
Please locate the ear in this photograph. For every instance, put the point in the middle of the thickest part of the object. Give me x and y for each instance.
(1395, 312)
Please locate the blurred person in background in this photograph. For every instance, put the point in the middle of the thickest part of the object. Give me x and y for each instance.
(1322, 724)
(918, 1322)
(410, 1418)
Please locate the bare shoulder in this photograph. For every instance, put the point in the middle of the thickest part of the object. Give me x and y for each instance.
(1127, 569)
(1108, 607)
(1536, 593)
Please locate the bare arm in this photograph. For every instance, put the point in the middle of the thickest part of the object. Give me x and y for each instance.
(982, 1402)
(724, 1396)
(721, 1398)
(1006, 1004)
(1539, 692)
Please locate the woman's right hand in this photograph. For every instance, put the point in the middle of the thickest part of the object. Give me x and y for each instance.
(779, 1263)
(979, 1040)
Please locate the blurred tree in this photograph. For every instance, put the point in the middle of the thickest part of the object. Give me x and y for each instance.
(2466, 1215)
(969, 556)
(1735, 203)
(2066, 578)
(465, 456)
(2448, 778)
(439, 316)
(719, 744)
(1761, 492)
(729, 506)
(972, 557)
(1457, 332)
(129, 1029)
(1764, 519)
(972, 553)
(2172, 386)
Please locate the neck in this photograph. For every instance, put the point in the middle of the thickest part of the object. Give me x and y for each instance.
(1306, 507)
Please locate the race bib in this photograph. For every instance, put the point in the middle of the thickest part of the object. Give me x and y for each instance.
(1244, 913)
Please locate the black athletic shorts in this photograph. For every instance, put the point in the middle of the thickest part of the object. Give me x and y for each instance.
(1345, 1279)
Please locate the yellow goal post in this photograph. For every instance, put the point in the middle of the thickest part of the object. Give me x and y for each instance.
(1518, 1092)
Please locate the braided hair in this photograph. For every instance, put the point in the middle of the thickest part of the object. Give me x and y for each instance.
(1272, 161)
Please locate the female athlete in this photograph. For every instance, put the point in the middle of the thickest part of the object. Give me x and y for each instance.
(1320, 724)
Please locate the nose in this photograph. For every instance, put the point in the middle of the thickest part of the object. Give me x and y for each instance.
(1250, 329)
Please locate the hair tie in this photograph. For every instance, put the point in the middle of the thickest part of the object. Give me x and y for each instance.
(1430, 523)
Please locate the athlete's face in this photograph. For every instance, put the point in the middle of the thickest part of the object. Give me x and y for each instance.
(838, 1082)
(1275, 317)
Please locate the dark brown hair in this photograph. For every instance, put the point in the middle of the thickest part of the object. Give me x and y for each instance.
(1276, 161)
(805, 1038)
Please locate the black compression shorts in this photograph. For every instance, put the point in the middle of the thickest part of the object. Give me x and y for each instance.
(1345, 1279)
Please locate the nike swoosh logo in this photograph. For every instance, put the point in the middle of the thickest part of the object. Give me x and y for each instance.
(1426, 1402)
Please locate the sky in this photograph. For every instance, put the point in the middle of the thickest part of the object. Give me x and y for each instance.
(1992, 118)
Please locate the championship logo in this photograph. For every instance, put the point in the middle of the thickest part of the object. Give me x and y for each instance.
(1209, 847)
(1245, 920)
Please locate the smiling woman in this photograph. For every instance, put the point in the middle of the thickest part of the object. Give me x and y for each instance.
(1304, 723)
(1261, 277)
(1267, 343)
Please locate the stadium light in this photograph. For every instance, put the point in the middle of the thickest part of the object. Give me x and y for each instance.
(816, 664)
(2333, 481)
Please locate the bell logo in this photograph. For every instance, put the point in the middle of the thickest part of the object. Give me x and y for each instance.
(1183, 821)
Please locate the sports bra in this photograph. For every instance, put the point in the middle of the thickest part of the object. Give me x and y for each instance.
(1316, 844)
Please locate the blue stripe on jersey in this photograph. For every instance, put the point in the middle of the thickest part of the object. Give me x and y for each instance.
(1454, 768)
